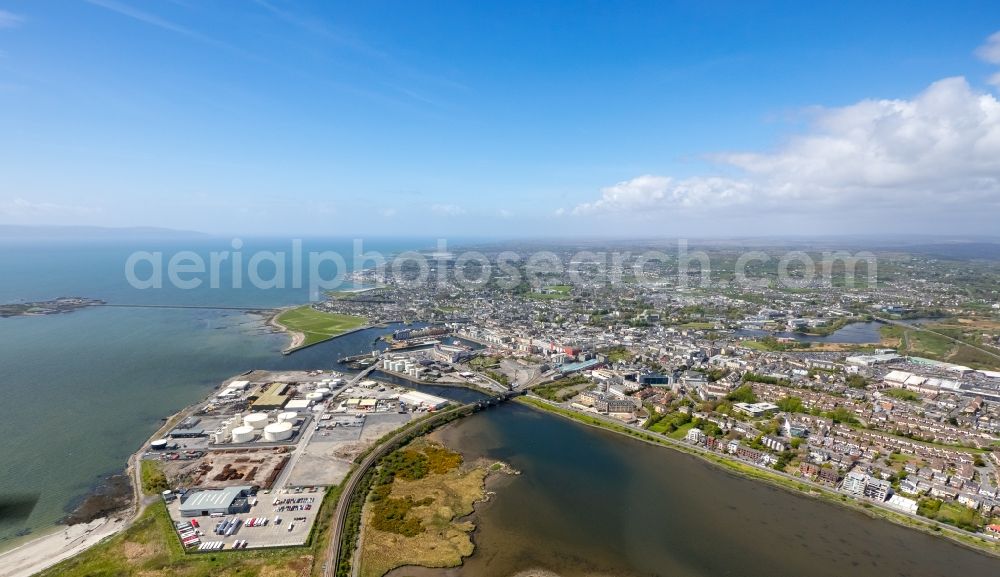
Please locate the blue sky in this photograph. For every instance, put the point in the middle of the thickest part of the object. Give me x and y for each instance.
(507, 118)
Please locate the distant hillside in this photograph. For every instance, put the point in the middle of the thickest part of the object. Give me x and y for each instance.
(959, 250)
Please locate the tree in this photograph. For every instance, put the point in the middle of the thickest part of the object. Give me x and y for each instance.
(711, 429)
(856, 381)
(742, 394)
(841, 415)
(791, 405)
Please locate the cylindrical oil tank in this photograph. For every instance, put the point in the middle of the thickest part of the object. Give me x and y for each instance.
(244, 434)
(256, 420)
(289, 416)
(314, 397)
(158, 445)
(278, 431)
(323, 391)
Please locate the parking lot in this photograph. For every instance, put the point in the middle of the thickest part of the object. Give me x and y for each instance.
(289, 516)
(330, 453)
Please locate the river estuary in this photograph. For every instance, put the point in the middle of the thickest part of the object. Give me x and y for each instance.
(592, 503)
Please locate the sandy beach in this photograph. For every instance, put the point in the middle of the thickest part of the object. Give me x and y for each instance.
(297, 337)
(46, 551)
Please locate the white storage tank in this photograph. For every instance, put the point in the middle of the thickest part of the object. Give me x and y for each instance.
(323, 391)
(256, 420)
(289, 416)
(278, 431)
(314, 397)
(159, 445)
(244, 434)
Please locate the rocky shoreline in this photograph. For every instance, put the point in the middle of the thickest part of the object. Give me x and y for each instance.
(110, 497)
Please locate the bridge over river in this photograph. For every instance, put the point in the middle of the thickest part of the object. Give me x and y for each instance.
(354, 487)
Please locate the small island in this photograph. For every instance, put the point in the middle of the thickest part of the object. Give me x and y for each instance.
(57, 306)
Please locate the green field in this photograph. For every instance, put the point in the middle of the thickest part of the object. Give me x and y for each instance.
(930, 344)
(681, 431)
(902, 394)
(317, 326)
(911, 341)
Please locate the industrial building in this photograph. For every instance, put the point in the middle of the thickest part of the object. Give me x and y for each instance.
(451, 354)
(298, 405)
(186, 433)
(187, 429)
(229, 501)
(272, 397)
(418, 399)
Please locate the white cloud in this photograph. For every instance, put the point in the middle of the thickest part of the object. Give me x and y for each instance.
(504, 213)
(990, 51)
(9, 19)
(948, 135)
(388, 212)
(20, 207)
(447, 210)
(940, 148)
(650, 192)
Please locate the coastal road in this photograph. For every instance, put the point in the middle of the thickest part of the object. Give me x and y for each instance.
(346, 496)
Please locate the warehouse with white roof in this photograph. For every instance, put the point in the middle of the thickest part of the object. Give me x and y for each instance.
(228, 501)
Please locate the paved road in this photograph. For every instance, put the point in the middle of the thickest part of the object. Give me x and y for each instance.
(302, 444)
